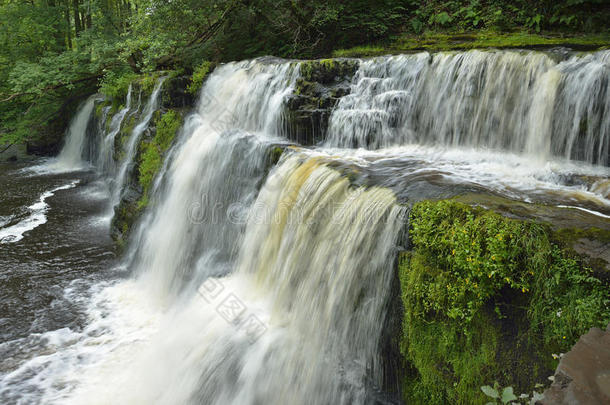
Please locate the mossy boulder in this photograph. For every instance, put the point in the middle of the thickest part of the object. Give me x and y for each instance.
(489, 298)
(318, 89)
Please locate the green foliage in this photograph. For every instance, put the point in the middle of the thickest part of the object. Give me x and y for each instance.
(584, 15)
(476, 286)
(199, 75)
(53, 53)
(116, 84)
(507, 395)
(167, 126)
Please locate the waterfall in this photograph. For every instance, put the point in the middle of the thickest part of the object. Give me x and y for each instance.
(71, 155)
(293, 321)
(273, 254)
(507, 100)
(255, 284)
(131, 147)
(105, 158)
(213, 175)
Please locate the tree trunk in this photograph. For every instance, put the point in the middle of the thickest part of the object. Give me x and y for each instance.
(68, 27)
(77, 23)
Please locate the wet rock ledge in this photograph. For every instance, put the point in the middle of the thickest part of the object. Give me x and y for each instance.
(583, 374)
(318, 89)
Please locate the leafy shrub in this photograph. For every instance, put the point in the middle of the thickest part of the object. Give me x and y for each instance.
(116, 84)
(199, 75)
(478, 288)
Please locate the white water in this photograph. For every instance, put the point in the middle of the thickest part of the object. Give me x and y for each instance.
(37, 216)
(302, 331)
(131, 147)
(213, 174)
(105, 158)
(505, 100)
(71, 155)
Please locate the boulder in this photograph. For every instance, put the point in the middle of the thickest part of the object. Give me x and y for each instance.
(583, 374)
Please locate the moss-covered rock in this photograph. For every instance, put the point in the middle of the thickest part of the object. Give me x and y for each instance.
(317, 91)
(200, 74)
(152, 149)
(489, 298)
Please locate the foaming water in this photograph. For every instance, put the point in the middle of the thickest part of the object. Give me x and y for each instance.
(506, 100)
(71, 156)
(278, 328)
(117, 317)
(131, 147)
(105, 158)
(37, 216)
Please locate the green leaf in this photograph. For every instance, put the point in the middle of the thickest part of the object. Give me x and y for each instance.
(508, 395)
(490, 392)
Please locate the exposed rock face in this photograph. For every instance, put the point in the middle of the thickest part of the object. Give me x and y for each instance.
(175, 94)
(321, 85)
(583, 374)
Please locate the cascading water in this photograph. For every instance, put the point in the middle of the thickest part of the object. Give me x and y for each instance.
(295, 322)
(71, 155)
(508, 100)
(105, 159)
(214, 169)
(132, 142)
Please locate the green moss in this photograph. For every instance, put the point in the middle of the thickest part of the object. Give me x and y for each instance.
(568, 236)
(327, 70)
(488, 298)
(199, 75)
(116, 85)
(121, 139)
(275, 154)
(99, 110)
(167, 126)
(481, 39)
(147, 82)
(363, 50)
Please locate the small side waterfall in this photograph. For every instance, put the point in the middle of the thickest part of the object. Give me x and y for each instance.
(71, 155)
(505, 100)
(131, 147)
(105, 159)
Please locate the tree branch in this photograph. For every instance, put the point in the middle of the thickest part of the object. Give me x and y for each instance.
(51, 88)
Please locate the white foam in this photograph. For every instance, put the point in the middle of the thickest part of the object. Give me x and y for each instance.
(119, 316)
(37, 217)
(512, 175)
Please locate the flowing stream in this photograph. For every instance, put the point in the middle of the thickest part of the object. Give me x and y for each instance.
(248, 282)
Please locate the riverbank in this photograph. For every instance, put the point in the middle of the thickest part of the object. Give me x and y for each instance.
(436, 42)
